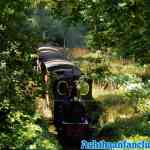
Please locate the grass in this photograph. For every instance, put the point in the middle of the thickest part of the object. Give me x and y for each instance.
(132, 69)
(112, 112)
(99, 93)
(117, 66)
(115, 115)
(118, 119)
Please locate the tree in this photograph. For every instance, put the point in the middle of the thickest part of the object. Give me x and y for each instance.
(19, 84)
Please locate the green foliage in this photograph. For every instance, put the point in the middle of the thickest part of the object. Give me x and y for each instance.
(122, 24)
(144, 101)
(144, 105)
(24, 133)
(146, 74)
(83, 87)
(20, 84)
(126, 108)
(139, 94)
(93, 66)
(99, 72)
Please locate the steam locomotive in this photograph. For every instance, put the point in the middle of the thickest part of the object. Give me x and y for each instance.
(69, 91)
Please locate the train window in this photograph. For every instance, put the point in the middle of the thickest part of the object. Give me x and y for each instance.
(83, 87)
(62, 88)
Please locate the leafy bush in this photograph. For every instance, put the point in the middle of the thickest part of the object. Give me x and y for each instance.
(23, 133)
(144, 105)
(146, 74)
(99, 72)
(93, 65)
(140, 93)
(144, 100)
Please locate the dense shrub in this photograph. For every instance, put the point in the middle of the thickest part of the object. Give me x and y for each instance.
(23, 133)
(144, 100)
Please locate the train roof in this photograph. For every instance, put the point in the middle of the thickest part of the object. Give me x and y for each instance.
(58, 62)
(64, 68)
(53, 48)
(54, 58)
(47, 53)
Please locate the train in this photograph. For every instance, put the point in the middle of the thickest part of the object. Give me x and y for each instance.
(65, 93)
